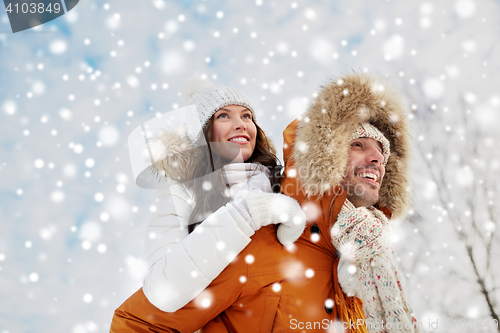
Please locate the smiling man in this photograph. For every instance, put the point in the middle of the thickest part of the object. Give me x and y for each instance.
(346, 162)
(369, 151)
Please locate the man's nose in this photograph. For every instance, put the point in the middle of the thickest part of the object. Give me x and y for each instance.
(375, 155)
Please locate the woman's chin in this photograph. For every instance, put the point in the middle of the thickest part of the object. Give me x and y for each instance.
(232, 153)
(245, 156)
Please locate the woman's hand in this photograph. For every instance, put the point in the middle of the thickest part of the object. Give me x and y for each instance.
(273, 208)
(259, 181)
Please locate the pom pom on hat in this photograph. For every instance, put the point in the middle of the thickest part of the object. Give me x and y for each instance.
(191, 86)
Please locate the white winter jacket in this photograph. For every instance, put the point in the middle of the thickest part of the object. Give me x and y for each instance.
(181, 265)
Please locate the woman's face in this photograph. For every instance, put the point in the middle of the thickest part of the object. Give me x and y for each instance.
(233, 123)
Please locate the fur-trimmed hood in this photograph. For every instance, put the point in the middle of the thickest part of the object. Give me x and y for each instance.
(177, 157)
(321, 145)
(174, 155)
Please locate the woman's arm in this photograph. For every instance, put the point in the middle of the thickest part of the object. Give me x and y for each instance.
(138, 315)
(181, 265)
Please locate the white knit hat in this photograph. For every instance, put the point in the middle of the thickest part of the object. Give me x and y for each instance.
(209, 98)
(367, 130)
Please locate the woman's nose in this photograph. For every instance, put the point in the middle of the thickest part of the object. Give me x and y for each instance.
(239, 124)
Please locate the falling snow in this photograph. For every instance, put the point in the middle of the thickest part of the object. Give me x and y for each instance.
(73, 90)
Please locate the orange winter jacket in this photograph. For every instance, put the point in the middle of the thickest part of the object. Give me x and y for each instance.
(348, 310)
(267, 287)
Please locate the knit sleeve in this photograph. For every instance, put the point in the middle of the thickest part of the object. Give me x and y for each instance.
(181, 265)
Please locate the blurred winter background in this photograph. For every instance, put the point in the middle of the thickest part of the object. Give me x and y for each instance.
(72, 219)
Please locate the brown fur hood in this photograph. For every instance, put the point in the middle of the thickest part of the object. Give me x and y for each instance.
(322, 143)
(174, 156)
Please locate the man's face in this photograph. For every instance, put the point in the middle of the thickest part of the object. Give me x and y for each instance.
(365, 172)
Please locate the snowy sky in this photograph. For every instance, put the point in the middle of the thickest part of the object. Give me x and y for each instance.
(71, 218)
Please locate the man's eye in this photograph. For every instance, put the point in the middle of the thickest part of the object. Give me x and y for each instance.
(356, 144)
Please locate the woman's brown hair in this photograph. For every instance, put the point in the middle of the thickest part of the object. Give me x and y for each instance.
(207, 202)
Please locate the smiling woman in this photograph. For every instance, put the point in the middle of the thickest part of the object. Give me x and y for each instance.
(217, 197)
(234, 123)
(233, 137)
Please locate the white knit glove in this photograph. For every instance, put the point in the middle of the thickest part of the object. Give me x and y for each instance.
(242, 208)
(259, 181)
(348, 276)
(274, 208)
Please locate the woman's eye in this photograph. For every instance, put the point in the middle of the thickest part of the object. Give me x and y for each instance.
(247, 116)
(356, 144)
(222, 115)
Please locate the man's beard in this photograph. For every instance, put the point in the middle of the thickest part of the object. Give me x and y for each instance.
(357, 193)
